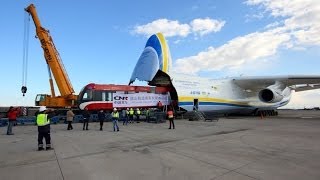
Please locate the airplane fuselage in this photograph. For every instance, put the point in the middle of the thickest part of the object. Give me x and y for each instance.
(220, 95)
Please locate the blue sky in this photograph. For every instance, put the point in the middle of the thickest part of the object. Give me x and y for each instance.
(100, 41)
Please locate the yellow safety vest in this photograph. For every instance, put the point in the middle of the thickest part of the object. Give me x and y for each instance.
(42, 120)
(131, 112)
(115, 114)
(138, 112)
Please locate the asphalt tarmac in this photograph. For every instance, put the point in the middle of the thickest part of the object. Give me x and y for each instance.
(283, 147)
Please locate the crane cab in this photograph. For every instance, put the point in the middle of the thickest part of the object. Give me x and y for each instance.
(40, 99)
(55, 102)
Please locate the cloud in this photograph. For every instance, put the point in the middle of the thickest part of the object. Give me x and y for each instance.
(172, 28)
(273, 25)
(167, 27)
(253, 17)
(177, 41)
(302, 18)
(300, 27)
(234, 54)
(206, 26)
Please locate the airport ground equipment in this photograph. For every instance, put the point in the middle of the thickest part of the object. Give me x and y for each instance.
(201, 116)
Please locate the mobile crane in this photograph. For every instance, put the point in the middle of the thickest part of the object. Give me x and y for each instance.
(67, 97)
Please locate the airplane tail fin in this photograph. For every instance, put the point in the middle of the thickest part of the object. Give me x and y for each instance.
(154, 58)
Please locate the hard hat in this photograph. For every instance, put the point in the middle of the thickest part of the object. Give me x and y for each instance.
(114, 109)
(42, 108)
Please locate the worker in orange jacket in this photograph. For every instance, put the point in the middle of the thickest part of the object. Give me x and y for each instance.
(12, 117)
(170, 117)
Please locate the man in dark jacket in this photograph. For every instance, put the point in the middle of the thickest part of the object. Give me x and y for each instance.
(86, 118)
(126, 118)
(101, 117)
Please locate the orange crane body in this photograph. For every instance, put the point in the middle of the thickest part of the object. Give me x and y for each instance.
(67, 97)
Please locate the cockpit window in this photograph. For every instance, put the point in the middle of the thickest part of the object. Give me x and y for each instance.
(87, 95)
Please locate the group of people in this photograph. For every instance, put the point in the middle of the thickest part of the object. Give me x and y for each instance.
(127, 115)
(44, 115)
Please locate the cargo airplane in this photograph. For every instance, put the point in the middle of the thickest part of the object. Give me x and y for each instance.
(244, 95)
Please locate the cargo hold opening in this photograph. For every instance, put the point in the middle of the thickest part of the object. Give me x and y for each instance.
(162, 79)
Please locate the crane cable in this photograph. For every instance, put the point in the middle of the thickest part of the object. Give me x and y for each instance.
(25, 53)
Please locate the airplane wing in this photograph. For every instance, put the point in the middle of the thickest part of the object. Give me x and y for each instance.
(294, 82)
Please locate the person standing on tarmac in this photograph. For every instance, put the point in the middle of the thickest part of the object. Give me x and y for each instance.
(147, 115)
(43, 123)
(86, 118)
(131, 113)
(12, 118)
(70, 116)
(101, 117)
(138, 113)
(125, 121)
(160, 106)
(115, 118)
(170, 117)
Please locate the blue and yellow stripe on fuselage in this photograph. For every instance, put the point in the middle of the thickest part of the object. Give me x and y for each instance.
(186, 102)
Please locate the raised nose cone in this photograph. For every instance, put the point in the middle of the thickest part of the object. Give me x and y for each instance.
(155, 56)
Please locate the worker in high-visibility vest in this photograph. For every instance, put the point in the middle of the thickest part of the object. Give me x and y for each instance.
(138, 113)
(131, 113)
(43, 123)
(115, 118)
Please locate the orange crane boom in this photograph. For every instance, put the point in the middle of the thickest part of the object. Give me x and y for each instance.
(67, 97)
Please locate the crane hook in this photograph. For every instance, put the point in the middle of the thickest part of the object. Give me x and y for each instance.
(23, 90)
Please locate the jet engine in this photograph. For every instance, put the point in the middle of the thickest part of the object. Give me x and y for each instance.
(270, 95)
